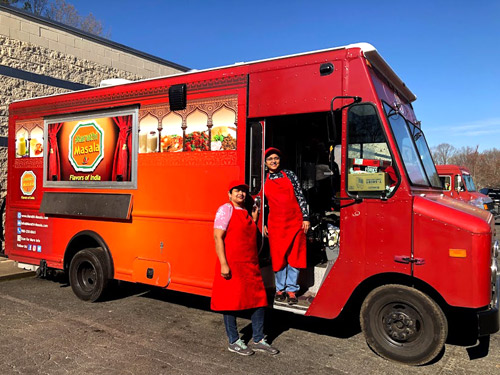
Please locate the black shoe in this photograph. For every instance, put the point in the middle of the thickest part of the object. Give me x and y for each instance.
(280, 296)
(292, 298)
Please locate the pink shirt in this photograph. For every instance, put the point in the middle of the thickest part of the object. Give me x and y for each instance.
(223, 216)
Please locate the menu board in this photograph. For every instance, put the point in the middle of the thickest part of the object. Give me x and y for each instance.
(90, 150)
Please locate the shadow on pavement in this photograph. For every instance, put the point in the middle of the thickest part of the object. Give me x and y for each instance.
(277, 322)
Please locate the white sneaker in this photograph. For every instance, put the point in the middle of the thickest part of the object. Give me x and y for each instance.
(239, 347)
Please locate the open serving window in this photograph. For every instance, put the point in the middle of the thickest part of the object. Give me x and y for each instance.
(92, 150)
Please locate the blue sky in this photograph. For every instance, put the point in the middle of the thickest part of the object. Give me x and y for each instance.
(447, 52)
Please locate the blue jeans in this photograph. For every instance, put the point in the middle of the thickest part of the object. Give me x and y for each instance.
(257, 325)
(286, 279)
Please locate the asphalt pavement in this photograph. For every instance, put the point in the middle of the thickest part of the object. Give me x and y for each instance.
(46, 329)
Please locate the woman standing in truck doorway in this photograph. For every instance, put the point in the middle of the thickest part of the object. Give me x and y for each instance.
(238, 283)
(286, 228)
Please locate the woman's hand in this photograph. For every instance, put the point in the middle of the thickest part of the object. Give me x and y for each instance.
(255, 213)
(225, 271)
(305, 226)
(265, 230)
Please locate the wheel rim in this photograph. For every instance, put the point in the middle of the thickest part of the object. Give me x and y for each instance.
(87, 276)
(401, 323)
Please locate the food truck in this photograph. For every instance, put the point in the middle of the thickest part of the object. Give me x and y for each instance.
(123, 182)
(458, 183)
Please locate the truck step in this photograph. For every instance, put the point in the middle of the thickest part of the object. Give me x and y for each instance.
(300, 308)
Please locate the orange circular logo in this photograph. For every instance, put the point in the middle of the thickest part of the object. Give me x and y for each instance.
(86, 146)
(28, 182)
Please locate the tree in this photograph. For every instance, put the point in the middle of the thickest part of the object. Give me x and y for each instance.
(442, 153)
(488, 173)
(63, 12)
(468, 157)
(91, 25)
(9, 2)
(35, 6)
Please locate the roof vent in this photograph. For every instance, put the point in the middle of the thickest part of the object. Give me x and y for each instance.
(113, 82)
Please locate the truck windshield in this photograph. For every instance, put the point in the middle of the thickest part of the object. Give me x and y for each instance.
(413, 149)
(469, 183)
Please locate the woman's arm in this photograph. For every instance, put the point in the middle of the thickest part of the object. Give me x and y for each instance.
(299, 195)
(220, 250)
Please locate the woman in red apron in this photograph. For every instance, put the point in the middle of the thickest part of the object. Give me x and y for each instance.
(287, 225)
(238, 281)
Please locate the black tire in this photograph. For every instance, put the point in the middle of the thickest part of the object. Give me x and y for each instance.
(88, 274)
(403, 324)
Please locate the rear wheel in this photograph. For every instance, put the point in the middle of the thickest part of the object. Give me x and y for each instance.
(88, 274)
(403, 324)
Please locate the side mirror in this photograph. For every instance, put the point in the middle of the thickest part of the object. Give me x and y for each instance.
(459, 187)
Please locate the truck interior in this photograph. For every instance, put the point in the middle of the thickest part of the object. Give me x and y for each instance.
(311, 148)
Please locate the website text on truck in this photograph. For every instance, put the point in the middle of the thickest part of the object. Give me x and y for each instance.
(101, 185)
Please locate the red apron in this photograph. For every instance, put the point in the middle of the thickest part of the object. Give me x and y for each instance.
(245, 289)
(287, 240)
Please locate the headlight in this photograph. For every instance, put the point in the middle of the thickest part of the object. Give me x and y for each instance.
(479, 203)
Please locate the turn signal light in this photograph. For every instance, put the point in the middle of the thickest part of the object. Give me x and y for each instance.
(458, 253)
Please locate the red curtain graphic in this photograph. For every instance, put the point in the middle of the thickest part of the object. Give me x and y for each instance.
(121, 160)
(54, 160)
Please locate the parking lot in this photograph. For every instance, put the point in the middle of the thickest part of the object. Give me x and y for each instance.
(45, 329)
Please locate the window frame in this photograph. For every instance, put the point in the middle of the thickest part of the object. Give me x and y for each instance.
(124, 185)
(366, 194)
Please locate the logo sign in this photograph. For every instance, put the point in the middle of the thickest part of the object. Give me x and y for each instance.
(86, 146)
(28, 183)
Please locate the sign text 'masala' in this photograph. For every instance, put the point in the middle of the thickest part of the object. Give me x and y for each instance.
(82, 150)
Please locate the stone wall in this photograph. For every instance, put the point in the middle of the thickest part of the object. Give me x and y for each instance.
(38, 56)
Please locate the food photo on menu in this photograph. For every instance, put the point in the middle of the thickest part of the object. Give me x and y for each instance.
(29, 140)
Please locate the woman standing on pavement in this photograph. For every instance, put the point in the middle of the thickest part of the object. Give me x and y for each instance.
(238, 283)
(287, 225)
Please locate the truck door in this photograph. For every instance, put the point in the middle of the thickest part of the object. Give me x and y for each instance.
(376, 222)
(255, 174)
(254, 157)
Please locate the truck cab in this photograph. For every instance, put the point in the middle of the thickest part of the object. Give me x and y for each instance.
(458, 184)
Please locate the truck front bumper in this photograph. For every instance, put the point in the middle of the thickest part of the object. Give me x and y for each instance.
(488, 320)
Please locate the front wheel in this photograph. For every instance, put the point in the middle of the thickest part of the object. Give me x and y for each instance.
(88, 274)
(403, 324)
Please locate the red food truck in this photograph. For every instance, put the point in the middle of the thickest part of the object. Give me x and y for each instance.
(123, 182)
(458, 183)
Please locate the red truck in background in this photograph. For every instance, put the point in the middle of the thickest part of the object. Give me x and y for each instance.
(458, 183)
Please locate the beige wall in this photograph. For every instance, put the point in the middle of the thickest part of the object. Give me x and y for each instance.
(38, 46)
